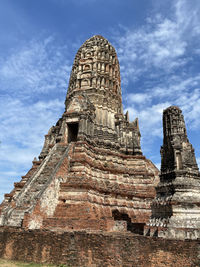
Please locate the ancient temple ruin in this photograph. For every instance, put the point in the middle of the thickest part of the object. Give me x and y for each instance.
(91, 174)
(176, 208)
(92, 198)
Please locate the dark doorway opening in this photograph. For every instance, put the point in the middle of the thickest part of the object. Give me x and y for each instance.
(137, 228)
(155, 233)
(72, 132)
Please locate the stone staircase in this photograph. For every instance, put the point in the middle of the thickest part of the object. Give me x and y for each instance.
(35, 186)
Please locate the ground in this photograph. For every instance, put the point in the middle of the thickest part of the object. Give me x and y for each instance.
(9, 263)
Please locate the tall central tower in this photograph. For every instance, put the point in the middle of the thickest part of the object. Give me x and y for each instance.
(94, 103)
(91, 173)
(96, 72)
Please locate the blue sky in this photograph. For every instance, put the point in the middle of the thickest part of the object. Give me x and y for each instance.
(157, 43)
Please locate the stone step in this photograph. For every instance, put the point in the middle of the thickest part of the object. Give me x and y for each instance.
(29, 193)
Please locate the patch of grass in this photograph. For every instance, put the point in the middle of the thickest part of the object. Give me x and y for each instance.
(32, 264)
(11, 263)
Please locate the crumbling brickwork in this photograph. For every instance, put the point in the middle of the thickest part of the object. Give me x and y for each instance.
(176, 209)
(91, 195)
(97, 249)
(91, 173)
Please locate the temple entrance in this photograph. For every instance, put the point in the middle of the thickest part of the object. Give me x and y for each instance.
(137, 228)
(72, 132)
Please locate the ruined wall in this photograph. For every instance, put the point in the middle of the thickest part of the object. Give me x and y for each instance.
(96, 249)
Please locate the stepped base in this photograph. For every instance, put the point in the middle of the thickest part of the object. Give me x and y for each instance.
(172, 233)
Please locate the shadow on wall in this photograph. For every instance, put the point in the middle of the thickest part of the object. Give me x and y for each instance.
(136, 228)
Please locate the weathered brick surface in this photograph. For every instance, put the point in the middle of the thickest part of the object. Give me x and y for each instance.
(176, 209)
(91, 175)
(91, 163)
(87, 185)
(96, 249)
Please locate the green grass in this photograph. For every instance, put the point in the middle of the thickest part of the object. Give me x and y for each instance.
(11, 263)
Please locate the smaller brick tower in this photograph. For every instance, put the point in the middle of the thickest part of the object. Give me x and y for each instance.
(176, 209)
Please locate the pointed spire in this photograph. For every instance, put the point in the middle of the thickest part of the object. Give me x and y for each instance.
(177, 153)
(96, 71)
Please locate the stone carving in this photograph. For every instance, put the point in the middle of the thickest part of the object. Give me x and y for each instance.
(91, 174)
(91, 166)
(175, 210)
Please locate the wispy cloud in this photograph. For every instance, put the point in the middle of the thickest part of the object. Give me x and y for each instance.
(33, 81)
(23, 124)
(149, 105)
(198, 161)
(159, 68)
(150, 119)
(161, 44)
(39, 66)
(22, 134)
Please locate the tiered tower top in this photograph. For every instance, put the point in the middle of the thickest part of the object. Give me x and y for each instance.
(177, 153)
(173, 124)
(96, 73)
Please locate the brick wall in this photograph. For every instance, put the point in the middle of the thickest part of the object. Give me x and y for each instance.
(96, 249)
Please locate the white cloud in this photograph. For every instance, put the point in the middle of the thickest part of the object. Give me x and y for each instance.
(25, 125)
(188, 16)
(33, 82)
(150, 119)
(148, 107)
(22, 135)
(160, 62)
(161, 44)
(138, 98)
(158, 165)
(198, 161)
(143, 49)
(38, 66)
